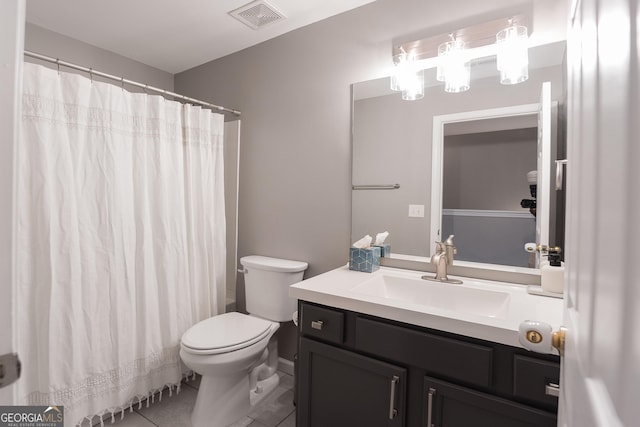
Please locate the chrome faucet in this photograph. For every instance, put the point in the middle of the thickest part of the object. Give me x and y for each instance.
(450, 249)
(440, 260)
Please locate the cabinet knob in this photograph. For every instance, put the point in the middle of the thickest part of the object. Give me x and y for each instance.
(317, 324)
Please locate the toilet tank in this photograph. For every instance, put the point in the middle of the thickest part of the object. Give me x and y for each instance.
(266, 284)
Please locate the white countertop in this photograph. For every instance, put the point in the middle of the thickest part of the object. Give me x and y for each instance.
(336, 289)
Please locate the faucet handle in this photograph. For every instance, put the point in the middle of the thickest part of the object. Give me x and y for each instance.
(449, 241)
(440, 247)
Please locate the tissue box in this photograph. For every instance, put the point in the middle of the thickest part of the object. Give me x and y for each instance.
(385, 249)
(367, 260)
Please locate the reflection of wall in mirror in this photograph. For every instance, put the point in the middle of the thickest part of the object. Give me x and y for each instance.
(484, 179)
(392, 144)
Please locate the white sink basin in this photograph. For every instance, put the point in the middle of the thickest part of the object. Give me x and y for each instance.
(458, 298)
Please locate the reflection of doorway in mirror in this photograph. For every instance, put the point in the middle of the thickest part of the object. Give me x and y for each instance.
(477, 121)
(484, 181)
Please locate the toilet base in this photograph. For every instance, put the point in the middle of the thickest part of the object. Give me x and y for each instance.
(222, 401)
(264, 388)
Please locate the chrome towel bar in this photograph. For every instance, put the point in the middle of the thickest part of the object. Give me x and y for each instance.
(376, 187)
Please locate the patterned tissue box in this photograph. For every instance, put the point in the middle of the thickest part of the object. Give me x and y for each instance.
(366, 260)
(385, 249)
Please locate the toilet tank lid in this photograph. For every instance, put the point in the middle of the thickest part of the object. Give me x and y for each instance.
(273, 264)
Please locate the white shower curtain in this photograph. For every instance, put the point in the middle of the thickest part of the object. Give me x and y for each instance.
(120, 240)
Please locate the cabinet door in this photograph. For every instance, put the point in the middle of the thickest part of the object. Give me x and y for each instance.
(339, 388)
(449, 405)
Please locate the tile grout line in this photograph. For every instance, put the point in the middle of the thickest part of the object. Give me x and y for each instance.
(285, 418)
(156, 425)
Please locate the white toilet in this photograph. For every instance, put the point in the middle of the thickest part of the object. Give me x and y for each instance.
(237, 354)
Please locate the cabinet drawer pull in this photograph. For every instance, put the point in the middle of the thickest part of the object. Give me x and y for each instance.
(392, 400)
(317, 324)
(432, 392)
(552, 389)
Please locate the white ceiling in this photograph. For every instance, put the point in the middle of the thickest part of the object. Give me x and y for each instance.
(173, 35)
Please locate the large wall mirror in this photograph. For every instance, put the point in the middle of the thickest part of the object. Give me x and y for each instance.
(484, 144)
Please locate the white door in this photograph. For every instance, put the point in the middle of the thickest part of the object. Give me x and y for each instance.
(601, 369)
(543, 197)
(12, 14)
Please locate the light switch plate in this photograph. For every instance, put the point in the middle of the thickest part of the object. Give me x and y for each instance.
(416, 211)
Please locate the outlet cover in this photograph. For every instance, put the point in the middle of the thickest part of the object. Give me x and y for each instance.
(416, 211)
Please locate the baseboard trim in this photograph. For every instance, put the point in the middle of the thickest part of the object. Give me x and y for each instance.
(285, 366)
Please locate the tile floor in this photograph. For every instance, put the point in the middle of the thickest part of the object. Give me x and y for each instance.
(276, 410)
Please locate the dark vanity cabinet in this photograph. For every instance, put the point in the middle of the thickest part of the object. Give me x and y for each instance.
(359, 370)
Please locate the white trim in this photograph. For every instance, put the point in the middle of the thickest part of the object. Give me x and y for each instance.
(12, 25)
(488, 213)
(544, 166)
(437, 150)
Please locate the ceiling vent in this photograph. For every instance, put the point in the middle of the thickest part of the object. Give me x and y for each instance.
(257, 14)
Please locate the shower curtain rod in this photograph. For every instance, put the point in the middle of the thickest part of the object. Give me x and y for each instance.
(124, 81)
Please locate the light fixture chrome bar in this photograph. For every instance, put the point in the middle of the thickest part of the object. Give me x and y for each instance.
(376, 187)
(475, 36)
(124, 81)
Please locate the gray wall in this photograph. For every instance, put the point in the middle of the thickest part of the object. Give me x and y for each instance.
(45, 42)
(294, 93)
(232, 131)
(492, 240)
(488, 170)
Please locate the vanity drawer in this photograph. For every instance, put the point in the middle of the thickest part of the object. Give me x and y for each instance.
(535, 380)
(323, 323)
(440, 356)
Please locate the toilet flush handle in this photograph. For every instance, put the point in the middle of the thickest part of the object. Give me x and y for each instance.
(243, 270)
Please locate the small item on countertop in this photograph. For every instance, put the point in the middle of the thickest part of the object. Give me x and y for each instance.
(363, 256)
(552, 274)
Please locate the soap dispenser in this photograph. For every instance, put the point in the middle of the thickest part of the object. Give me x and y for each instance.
(553, 273)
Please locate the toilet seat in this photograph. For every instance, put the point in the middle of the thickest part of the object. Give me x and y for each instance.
(225, 333)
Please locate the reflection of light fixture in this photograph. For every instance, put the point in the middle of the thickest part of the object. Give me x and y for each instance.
(513, 54)
(455, 66)
(407, 78)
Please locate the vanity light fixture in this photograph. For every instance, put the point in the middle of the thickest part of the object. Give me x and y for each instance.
(452, 54)
(406, 77)
(399, 63)
(513, 54)
(455, 66)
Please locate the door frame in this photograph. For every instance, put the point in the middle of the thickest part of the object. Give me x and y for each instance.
(12, 25)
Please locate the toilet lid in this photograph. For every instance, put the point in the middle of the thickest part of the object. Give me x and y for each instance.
(226, 332)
